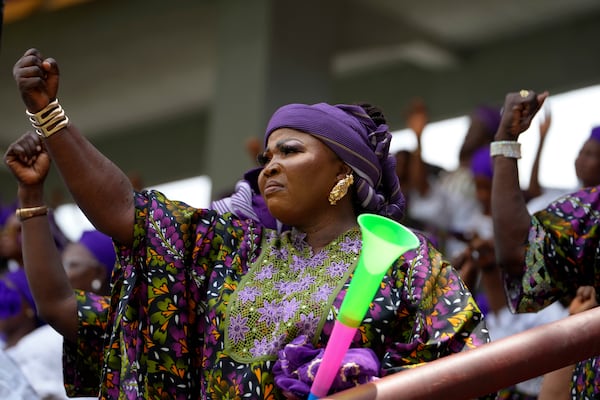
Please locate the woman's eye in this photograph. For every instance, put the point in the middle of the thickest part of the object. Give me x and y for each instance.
(288, 149)
(262, 159)
(281, 151)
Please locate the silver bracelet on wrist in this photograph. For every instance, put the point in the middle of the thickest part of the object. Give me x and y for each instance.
(505, 148)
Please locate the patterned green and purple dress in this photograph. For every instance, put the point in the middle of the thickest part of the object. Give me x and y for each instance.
(203, 302)
(563, 254)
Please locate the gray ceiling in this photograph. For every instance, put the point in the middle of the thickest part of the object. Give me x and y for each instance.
(126, 62)
(438, 33)
(475, 23)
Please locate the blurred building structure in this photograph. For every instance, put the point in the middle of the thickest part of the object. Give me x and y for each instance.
(174, 89)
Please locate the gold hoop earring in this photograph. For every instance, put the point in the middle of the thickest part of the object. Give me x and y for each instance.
(340, 189)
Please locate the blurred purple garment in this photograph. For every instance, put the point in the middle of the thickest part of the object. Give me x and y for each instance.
(10, 300)
(299, 362)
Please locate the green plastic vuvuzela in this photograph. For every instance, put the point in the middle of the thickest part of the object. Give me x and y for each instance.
(383, 241)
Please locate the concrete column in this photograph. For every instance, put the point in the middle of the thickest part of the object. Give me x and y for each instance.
(269, 52)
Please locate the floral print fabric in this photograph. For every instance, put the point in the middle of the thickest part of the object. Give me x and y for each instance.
(563, 254)
(179, 326)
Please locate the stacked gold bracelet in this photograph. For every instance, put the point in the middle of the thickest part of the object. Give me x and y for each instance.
(26, 213)
(49, 120)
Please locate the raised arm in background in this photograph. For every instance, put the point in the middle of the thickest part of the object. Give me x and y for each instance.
(509, 209)
(87, 173)
(54, 298)
(535, 189)
(416, 121)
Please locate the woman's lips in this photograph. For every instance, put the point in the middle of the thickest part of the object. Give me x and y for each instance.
(272, 187)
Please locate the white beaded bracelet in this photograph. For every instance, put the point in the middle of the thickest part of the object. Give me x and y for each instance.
(506, 148)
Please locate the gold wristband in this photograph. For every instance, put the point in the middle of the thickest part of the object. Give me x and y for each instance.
(26, 213)
(506, 148)
(48, 120)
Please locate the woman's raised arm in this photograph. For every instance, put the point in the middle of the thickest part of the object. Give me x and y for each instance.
(509, 209)
(99, 187)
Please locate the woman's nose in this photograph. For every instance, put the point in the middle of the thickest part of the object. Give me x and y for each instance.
(271, 168)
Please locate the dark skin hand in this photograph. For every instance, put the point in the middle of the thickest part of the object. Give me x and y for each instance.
(509, 209)
(37, 79)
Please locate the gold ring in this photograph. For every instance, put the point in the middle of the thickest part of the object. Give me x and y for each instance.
(524, 93)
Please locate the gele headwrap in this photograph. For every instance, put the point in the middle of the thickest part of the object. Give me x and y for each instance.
(595, 133)
(350, 133)
(481, 163)
(490, 116)
(101, 246)
(13, 289)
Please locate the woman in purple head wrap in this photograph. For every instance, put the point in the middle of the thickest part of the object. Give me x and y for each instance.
(18, 314)
(211, 305)
(89, 262)
(587, 163)
(360, 141)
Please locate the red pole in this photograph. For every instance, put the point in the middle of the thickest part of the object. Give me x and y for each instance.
(493, 366)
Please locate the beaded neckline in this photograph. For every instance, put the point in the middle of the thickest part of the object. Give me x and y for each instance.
(288, 291)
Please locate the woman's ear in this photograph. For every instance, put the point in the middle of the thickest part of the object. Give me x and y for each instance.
(345, 170)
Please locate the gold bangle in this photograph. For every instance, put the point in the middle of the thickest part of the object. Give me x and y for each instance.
(48, 120)
(45, 114)
(26, 213)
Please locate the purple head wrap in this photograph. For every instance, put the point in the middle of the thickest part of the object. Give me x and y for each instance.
(350, 133)
(490, 116)
(101, 246)
(595, 133)
(6, 211)
(14, 288)
(481, 163)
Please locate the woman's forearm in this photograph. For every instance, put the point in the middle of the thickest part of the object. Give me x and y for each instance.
(99, 187)
(510, 215)
(54, 298)
(509, 208)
